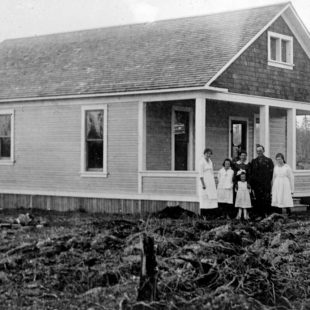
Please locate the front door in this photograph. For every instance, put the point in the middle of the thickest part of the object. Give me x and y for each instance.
(238, 135)
(182, 138)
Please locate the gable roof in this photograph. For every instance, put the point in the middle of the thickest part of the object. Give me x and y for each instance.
(179, 53)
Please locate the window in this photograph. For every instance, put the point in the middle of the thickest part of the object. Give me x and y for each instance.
(238, 135)
(303, 140)
(182, 138)
(94, 141)
(6, 137)
(280, 50)
(256, 132)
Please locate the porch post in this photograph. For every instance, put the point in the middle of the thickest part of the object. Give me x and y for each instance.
(291, 138)
(141, 142)
(264, 135)
(200, 128)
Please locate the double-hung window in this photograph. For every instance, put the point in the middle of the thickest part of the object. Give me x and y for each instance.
(6, 136)
(280, 50)
(94, 141)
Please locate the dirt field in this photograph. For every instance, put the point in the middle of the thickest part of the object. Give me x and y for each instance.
(92, 261)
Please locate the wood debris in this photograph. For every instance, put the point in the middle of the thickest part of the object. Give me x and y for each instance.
(85, 261)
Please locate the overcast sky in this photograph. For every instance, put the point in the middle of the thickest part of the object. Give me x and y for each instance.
(23, 18)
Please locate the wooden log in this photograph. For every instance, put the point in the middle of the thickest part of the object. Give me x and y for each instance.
(148, 274)
(22, 249)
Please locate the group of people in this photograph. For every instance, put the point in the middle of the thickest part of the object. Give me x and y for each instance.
(258, 185)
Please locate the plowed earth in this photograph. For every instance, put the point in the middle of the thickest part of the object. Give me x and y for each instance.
(92, 261)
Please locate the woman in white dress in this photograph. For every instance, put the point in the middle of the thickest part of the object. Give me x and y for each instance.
(225, 188)
(207, 188)
(282, 185)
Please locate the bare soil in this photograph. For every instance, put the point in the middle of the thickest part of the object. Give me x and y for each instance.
(92, 261)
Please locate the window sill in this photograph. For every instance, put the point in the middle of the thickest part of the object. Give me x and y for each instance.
(169, 173)
(94, 174)
(6, 162)
(279, 64)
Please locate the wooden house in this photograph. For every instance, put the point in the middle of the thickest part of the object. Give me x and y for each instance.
(116, 119)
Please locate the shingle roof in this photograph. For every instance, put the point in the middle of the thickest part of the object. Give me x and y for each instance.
(184, 52)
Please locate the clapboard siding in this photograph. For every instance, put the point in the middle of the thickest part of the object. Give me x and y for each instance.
(217, 127)
(278, 132)
(158, 133)
(48, 150)
(48, 155)
(158, 125)
(169, 185)
(302, 184)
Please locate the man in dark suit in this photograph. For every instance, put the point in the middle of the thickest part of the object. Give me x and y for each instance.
(261, 172)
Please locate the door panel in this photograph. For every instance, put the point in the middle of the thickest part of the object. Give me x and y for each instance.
(238, 136)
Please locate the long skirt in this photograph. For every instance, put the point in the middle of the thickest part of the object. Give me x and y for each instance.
(281, 193)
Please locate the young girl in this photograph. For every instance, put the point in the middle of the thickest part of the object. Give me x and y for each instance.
(243, 199)
(225, 188)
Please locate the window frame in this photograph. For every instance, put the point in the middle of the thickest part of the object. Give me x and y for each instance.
(11, 159)
(190, 150)
(237, 118)
(294, 165)
(84, 172)
(256, 140)
(279, 63)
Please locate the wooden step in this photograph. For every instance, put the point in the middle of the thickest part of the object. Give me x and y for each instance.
(299, 207)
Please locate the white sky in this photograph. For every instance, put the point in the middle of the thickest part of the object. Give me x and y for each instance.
(23, 18)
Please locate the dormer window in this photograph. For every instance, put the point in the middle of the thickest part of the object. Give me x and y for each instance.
(280, 50)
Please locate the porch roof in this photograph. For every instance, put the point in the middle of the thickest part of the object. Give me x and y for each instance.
(179, 53)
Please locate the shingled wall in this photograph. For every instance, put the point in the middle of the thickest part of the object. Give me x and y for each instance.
(250, 73)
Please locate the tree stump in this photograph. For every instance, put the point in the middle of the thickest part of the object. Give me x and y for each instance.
(148, 274)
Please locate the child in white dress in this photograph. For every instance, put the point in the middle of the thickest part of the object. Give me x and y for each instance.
(225, 188)
(243, 198)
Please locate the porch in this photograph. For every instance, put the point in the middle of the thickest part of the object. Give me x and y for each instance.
(173, 134)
